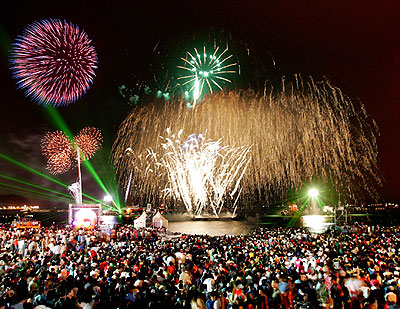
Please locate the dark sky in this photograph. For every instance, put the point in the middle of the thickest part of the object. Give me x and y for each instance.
(355, 44)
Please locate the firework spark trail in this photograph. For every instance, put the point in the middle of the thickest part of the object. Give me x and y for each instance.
(299, 132)
(187, 170)
(201, 173)
(54, 62)
(209, 69)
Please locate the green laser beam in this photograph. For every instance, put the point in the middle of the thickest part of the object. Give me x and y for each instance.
(22, 165)
(33, 193)
(52, 217)
(58, 121)
(42, 195)
(54, 116)
(50, 190)
(7, 158)
(33, 185)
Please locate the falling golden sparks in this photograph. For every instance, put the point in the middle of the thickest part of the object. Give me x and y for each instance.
(302, 131)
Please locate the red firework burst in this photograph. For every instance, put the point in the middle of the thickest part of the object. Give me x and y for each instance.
(54, 62)
(60, 163)
(58, 150)
(88, 141)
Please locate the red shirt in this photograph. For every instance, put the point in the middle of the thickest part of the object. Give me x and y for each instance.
(171, 269)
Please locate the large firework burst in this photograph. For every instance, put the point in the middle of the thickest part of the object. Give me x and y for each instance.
(58, 150)
(204, 69)
(88, 141)
(54, 62)
(202, 174)
(62, 154)
(303, 131)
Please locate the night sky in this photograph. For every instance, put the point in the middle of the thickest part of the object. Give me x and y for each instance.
(354, 44)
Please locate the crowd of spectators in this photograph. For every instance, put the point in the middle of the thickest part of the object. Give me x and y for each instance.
(269, 268)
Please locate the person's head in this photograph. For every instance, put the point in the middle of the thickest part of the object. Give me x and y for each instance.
(214, 295)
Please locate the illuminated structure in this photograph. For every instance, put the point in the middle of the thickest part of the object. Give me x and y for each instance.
(84, 215)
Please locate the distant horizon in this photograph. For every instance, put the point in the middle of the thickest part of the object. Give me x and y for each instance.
(59, 204)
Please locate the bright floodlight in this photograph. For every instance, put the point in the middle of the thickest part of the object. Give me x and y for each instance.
(313, 192)
(108, 198)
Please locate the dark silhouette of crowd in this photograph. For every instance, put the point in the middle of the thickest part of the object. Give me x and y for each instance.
(269, 268)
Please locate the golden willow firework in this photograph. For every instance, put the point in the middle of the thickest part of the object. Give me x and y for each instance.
(303, 131)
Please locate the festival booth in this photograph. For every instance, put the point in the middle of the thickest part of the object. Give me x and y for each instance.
(141, 221)
(159, 221)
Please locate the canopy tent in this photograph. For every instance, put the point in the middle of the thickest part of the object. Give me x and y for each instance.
(141, 221)
(159, 221)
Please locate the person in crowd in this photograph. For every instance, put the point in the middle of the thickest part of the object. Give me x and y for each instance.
(269, 268)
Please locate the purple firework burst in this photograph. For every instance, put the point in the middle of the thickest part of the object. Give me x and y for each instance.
(53, 62)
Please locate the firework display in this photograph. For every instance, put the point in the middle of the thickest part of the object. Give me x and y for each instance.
(58, 150)
(173, 72)
(54, 62)
(62, 154)
(59, 163)
(88, 141)
(302, 131)
(201, 173)
(206, 69)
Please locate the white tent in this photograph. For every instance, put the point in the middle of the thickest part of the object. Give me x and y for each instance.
(159, 221)
(141, 221)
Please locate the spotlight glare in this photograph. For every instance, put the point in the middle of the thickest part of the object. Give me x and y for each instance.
(313, 192)
(108, 198)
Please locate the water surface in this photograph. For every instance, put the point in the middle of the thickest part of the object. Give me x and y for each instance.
(212, 228)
